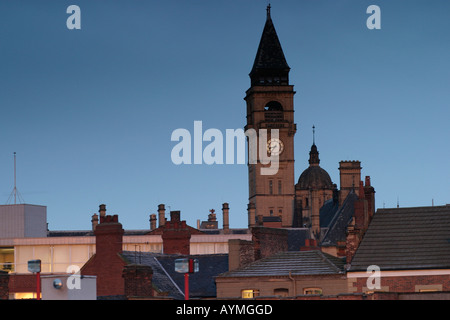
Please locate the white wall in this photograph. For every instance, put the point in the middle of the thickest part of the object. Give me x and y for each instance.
(87, 289)
(23, 220)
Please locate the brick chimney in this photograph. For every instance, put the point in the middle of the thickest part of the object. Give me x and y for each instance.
(107, 263)
(94, 221)
(161, 215)
(360, 213)
(152, 221)
(138, 281)
(102, 210)
(369, 194)
(226, 218)
(359, 224)
(350, 175)
(176, 235)
(108, 236)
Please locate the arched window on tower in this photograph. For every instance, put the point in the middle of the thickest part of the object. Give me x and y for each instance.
(273, 111)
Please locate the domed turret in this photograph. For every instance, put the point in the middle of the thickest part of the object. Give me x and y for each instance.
(314, 177)
(313, 189)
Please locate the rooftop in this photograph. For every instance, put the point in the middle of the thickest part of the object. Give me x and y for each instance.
(312, 262)
(165, 279)
(406, 238)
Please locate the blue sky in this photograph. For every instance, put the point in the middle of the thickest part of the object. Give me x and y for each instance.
(90, 112)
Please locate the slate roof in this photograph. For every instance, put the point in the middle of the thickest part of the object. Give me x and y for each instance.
(312, 262)
(406, 238)
(338, 225)
(270, 60)
(270, 54)
(297, 237)
(165, 279)
(328, 212)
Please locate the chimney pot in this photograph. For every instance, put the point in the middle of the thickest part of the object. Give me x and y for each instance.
(102, 210)
(174, 216)
(152, 221)
(161, 215)
(94, 221)
(226, 217)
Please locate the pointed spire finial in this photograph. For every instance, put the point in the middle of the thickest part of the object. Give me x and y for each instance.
(268, 11)
(314, 154)
(314, 133)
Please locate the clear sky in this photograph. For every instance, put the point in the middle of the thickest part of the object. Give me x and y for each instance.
(90, 112)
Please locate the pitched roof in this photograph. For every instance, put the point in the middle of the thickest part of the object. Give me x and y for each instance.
(161, 280)
(270, 54)
(166, 279)
(269, 57)
(327, 212)
(312, 262)
(337, 227)
(406, 238)
(201, 283)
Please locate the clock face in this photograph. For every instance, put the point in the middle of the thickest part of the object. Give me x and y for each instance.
(275, 147)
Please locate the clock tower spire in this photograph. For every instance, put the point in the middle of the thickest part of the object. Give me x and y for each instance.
(270, 106)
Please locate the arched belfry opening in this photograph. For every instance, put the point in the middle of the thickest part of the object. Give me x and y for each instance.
(273, 111)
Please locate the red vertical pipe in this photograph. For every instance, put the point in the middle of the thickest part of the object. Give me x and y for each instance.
(38, 285)
(186, 286)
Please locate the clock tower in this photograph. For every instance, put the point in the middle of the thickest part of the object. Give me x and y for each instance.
(270, 106)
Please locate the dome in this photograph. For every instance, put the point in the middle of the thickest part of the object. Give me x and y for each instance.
(314, 178)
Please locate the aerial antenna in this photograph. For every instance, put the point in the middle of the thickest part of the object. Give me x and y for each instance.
(15, 192)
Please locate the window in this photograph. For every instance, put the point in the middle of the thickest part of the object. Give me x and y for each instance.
(282, 292)
(270, 187)
(273, 111)
(279, 187)
(428, 288)
(249, 293)
(312, 291)
(7, 259)
(271, 212)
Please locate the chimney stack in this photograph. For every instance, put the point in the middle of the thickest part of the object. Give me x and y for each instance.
(102, 210)
(138, 281)
(175, 216)
(350, 175)
(152, 221)
(226, 217)
(161, 215)
(94, 221)
(106, 264)
(176, 235)
(369, 193)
